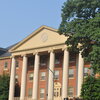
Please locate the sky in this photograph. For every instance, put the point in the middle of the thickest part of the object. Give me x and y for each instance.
(19, 18)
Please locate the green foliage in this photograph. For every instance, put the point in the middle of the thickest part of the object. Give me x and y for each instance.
(91, 88)
(4, 87)
(81, 23)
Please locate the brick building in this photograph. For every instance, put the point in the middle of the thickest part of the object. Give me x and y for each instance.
(41, 67)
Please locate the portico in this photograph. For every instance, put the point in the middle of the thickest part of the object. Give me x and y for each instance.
(47, 40)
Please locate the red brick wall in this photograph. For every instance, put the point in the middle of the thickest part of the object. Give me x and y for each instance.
(42, 84)
(2, 62)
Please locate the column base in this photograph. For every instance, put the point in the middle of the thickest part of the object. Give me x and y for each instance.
(50, 99)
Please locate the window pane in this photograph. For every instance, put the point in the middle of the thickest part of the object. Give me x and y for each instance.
(5, 65)
(17, 64)
(86, 71)
(56, 75)
(57, 60)
(30, 92)
(70, 91)
(71, 73)
(31, 61)
(42, 93)
(31, 76)
(16, 78)
(43, 76)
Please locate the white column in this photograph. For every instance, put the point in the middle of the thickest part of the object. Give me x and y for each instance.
(35, 79)
(80, 74)
(65, 74)
(12, 80)
(51, 72)
(23, 79)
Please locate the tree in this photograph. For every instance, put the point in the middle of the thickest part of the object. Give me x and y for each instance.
(81, 23)
(4, 86)
(91, 88)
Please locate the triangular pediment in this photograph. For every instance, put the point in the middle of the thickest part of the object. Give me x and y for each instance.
(42, 37)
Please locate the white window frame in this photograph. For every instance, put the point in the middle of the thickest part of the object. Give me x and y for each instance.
(30, 92)
(57, 60)
(42, 93)
(70, 75)
(56, 74)
(86, 70)
(43, 62)
(70, 90)
(31, 76)
(17, 63)
(16, 78)
(43, 76)
(5, 65)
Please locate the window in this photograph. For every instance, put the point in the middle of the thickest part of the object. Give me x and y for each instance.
(43, 76)
(56, 75)
(86, 71)
(16, 78)
(70, 91)
(31, 61)
(72, 58)
(5, 65)
(31, 76)
(71, 73)
(43, 60)
(17, 64)
(57, 60)
(30, 92)
(42, 93)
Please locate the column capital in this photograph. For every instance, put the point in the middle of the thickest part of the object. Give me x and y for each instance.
(35, 52)
(65, 48)
(50, 50)
(12, 56)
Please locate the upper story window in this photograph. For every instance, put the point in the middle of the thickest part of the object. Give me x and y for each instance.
(43, 76)
(17, 64)
(70, 91)
(5, 65)
(31, 76)
(43, 60)
(31, 61)
(71, 73)
(57, 59)
(72, 58)
(56, 74)
(42, 91)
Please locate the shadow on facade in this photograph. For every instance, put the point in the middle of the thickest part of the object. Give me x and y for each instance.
(72, 98)
(17, 90)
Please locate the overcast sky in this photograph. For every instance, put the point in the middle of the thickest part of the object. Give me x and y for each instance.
(19, 18)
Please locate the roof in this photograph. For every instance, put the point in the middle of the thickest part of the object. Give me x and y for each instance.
(4, 52)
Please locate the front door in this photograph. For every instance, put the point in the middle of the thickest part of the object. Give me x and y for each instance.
(57, 91)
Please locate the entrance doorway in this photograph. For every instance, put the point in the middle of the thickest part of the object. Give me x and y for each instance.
(57, 91)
